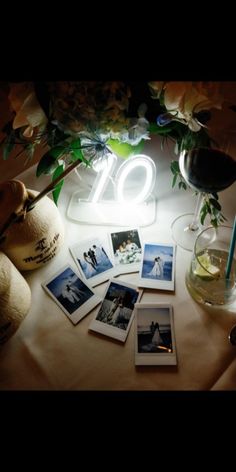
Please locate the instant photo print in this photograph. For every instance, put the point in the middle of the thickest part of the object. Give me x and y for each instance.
(72, 295)
(154, 334)
(116, 312)
(126, 248)
(93, 260)
(157, 268)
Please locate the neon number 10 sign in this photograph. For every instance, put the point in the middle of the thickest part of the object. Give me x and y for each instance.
(140, 161)
(138, 172)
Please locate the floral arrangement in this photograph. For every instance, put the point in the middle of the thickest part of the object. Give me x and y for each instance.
(191, 114)
(73, 121)
(85, 120)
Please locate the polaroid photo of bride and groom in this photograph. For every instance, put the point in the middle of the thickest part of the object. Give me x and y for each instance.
(72, 295)
(100, 258)
(93, 259)
(115, 315)
(154, 334)
(155, 262)
(157, 269)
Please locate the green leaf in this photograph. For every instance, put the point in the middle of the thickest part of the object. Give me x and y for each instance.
(174, 167)
(203, 214)
(7, 149)
(222, 217)
(125, 149)
(29, 149)
(154, 128)
(48, 162)
(56, 192)
(75, 146)
(215, 203)
(57, 151)
(77, 155)
(182, 185)
(214, 222)
(174, 180)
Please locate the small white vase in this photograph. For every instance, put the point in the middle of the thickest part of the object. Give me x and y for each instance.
(33, 241)
(15, 298)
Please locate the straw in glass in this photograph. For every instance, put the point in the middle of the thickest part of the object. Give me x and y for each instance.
(231, 251)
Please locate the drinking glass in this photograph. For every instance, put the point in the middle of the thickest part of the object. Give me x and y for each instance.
(206, 170)
(206, 277)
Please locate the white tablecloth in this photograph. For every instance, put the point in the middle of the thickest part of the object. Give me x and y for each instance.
(48, 352)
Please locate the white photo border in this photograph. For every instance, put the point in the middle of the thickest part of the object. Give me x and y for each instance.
(125, 268)
(85, 308)
(154, 358)
(145, 282)
(103, 276)
(114, 331)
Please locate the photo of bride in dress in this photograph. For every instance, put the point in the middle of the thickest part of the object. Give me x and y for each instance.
(157, 270)
(93, 261)
(72, 295)
(158, 266)
(157, 262)
(118, 304)
(69, 290)
(154, 335)
(154, 330)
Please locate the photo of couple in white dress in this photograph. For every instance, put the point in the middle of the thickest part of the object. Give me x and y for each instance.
(117, 306)
(92, 257)
(154, 331)
(126, 247)
(69, 290)
(157, 262)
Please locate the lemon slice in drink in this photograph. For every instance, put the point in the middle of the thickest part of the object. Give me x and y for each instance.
(205, 269)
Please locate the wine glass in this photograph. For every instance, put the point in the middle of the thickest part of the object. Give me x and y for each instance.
(206, 170)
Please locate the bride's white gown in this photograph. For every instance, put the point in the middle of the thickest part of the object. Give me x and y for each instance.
(89, 269)
(156, 339)
(71, 295)
(116, 314)
(156, 270)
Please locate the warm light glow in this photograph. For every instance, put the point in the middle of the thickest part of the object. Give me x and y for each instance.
(126, 168)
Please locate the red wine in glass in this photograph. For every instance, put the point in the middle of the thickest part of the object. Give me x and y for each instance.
(206, 170)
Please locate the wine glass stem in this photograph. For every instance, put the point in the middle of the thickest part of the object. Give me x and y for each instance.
(195, 223)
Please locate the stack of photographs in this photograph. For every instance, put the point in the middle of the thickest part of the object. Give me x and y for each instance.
(101, 259)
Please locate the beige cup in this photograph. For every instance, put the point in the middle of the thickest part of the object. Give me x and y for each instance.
(37, 238)
(15, 298)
